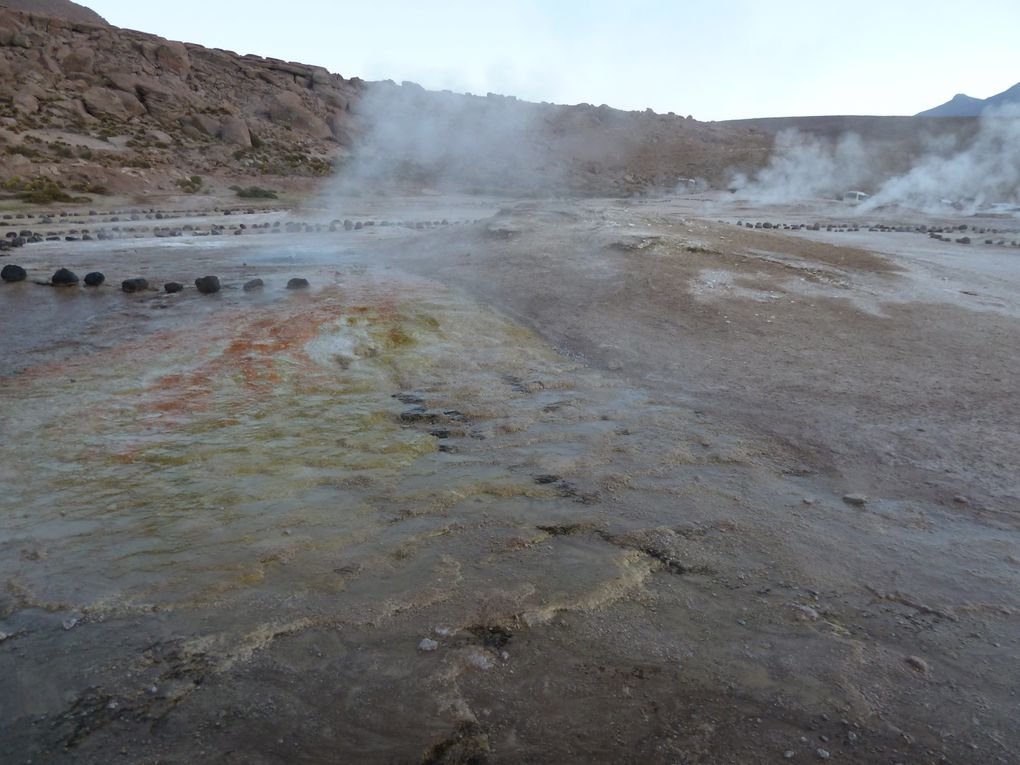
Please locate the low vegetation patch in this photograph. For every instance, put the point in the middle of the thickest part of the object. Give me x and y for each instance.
(40, 191)
(254, 192)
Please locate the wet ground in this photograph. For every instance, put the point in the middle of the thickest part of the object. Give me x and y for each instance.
(599, 481)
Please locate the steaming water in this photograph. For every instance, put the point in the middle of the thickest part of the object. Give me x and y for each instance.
(228, 521)
(223, 470)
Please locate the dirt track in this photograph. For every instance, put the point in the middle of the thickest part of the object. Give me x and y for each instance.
(634, 538)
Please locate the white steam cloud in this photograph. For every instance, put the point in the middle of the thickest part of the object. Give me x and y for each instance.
(970, 174)
(986, 171)
(805, 167)
(412, 139)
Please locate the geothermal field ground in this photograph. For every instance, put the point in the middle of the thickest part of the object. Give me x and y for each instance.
(640, 481)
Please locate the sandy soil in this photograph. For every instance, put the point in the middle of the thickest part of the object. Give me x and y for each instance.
(659, 488)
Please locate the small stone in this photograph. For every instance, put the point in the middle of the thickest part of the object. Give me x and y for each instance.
(823, 754)
(12, 273)
(918, 664)
(857, 500)
(789, 754)
(808, 500)
(208, 285)
(4, 636)
(173, 287)
(64, 278)
(805, 612)
(297, 284)
(444, 631)
(428, 645)
(94, 279)
(137, 284)
(254, 284)
(479, 660)
(70, 624)
(961, 500)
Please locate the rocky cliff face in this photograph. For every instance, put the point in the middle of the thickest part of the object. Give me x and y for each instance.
(92, 107)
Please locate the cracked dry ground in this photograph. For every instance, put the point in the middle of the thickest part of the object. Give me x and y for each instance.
(229, 532)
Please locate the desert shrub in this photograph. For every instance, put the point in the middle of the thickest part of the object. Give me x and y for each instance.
(37, 191)
(88, 187)
(24, 151)
(254, 192)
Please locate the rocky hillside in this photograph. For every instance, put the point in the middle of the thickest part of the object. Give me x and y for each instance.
(88, 108)
(64, 9)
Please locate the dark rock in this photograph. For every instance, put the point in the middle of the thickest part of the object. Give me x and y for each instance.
(137, 284)
(409, 398)
(208, 285)
(12, 273)
(94, 279)
(254, 284)
(297, 284)
(419, 414)
(173, 287)
(64, 278)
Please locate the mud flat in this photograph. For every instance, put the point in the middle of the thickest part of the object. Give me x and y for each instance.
(595, 481)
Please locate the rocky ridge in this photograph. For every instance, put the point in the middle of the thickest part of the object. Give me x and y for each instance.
(91, 108)
(65, 9)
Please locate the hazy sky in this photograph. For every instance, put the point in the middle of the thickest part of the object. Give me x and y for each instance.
(715, 59)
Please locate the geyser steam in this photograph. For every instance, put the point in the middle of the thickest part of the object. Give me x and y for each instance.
(973, 173)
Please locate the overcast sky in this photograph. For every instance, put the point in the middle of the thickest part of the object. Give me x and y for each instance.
(715, 59)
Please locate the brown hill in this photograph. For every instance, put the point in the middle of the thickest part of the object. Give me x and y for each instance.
(92, 106)
(61, 8)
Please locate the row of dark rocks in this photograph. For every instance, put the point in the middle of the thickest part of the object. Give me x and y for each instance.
(207, 285)
(14, 239)
(942, 233)
(139, 213)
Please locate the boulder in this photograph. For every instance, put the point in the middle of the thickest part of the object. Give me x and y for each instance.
(161, 100)
(94, 279)
(208, 285)
(234, 131)
(104, 102)
(64, 278)
(254, 284)
(27, 100)
(297, 284)
(289, 110)
(173, 287)
(12, 273)
(80, 60)
(173, 57)
(137, 284)
(204, 123)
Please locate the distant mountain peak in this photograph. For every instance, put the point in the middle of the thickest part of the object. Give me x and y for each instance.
(962, 105)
